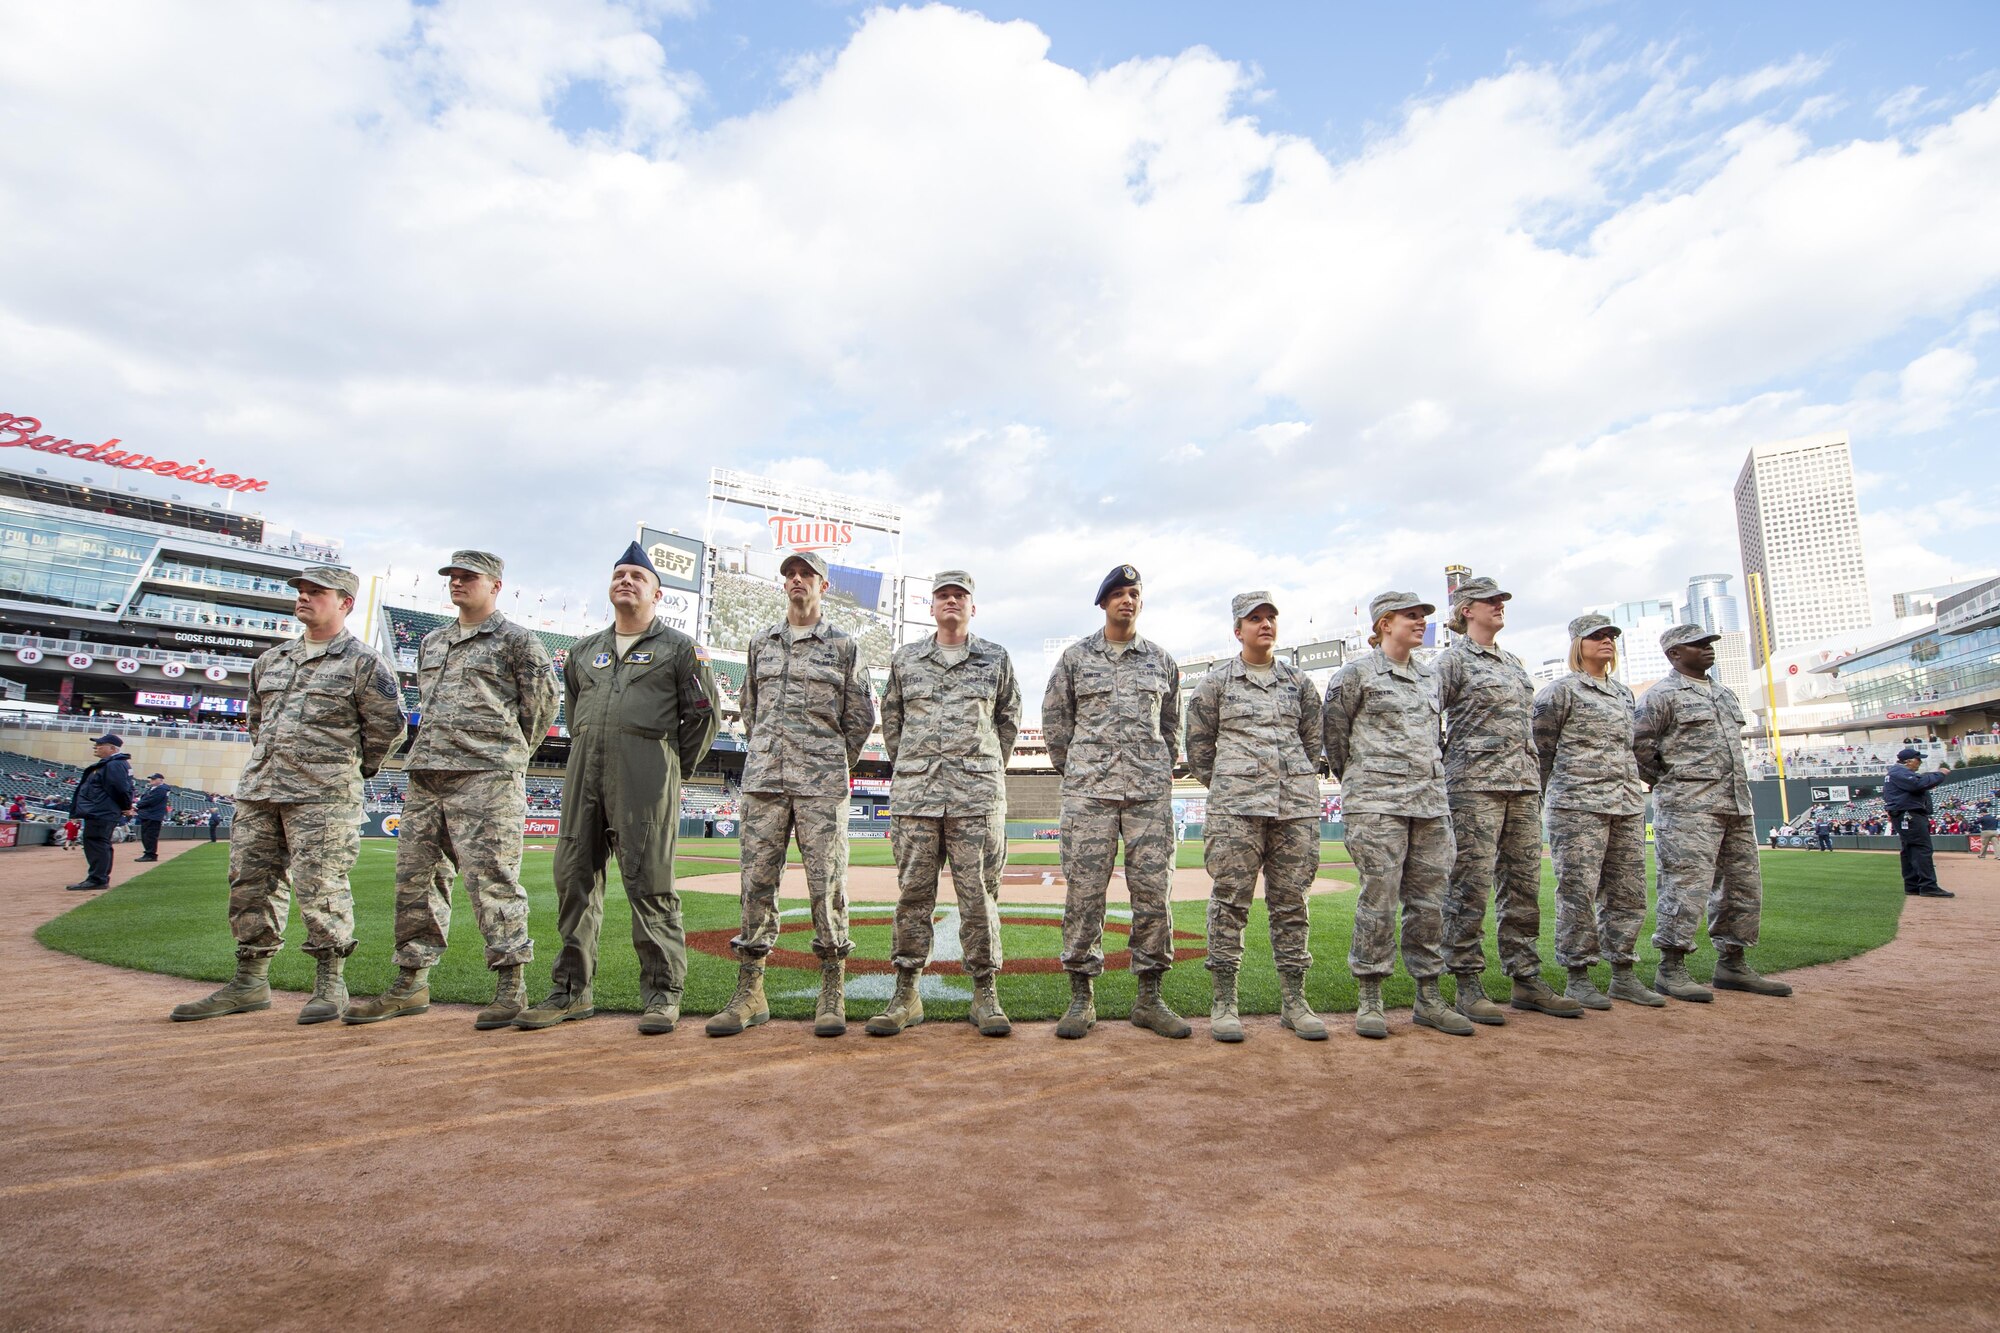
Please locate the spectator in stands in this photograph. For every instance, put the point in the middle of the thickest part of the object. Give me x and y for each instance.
(1907, 795)
(152, 810)
(17, 810)
(103, 800)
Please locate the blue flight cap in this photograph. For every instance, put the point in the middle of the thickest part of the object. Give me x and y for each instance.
(635, 554)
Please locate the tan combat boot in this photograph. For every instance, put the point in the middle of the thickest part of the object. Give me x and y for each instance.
(1625, 985)
(510, 1000)
(1472, 1001)
(410, 995)
(906, 1007)
(1149, 1011)
(1672, 979)
(1534, 995)
(1584, 991)
(1430, 1011)
(248, 991)
(559, 1007)
(1082, 1014)
(986, 1013)
(660, 1018)
(1368, 1017)
(1296, 1014)
(830, 1015)
(329, 997)
(747, 1007)
(1733, 972)
(1223, 1023)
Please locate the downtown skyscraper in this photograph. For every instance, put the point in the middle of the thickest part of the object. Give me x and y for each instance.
(1799, 529)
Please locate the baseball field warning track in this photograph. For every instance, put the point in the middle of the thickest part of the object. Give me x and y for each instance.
(1826, 1161)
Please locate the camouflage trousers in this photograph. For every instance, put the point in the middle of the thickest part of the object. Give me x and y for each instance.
(1091, 830)
(281, 846)
(1235, 849)
(1706, 856)
(1499, 839)
(975, 846)
(770, 821)
(472, 820)
(1600, 885)
(1406, 861)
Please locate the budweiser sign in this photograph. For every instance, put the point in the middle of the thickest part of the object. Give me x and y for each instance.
(809, 534)
(26, 433)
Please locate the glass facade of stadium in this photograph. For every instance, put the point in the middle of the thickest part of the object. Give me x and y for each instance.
(1946, 676)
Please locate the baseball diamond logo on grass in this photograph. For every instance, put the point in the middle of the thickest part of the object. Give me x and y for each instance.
(945, 958)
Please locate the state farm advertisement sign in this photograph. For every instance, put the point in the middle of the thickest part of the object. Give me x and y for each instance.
(535, 826)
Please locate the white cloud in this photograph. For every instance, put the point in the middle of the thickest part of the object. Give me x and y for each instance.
(1067, 319)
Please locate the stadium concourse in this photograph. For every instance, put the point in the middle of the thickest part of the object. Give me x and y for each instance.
(1723, 1162)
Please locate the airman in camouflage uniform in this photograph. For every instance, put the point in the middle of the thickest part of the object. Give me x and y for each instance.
(324, 714)
(1496, 808)
(487, 696)
(639, 696)
(949, 718)
(1597, 816)
(1687, 738)
(1379, 726)
(806, 715)
(1254, 741)
(1112, 718)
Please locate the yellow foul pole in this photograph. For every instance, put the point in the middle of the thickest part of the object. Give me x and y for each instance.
(1771, 731)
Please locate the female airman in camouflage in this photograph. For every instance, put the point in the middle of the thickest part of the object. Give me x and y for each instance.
(1597, 816)
(1380, 730)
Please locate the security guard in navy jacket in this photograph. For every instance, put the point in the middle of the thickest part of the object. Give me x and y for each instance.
(1906, 794)
(152, 812)
(103, 799)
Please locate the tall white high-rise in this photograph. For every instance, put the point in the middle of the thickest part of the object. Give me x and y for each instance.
(1798, 528)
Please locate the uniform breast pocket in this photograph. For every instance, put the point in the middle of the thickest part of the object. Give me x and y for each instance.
(824, 679)
(327, 703)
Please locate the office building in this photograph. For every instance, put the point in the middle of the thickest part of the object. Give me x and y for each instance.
(1799, 530)
(1711, 605)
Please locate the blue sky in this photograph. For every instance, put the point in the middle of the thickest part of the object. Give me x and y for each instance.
(1311, 297)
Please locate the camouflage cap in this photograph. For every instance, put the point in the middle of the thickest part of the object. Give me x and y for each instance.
(952, 578)
(813, 559)
(328, 576)
(475, 562)
(1243, 603)
(1386, 602)
(1478, 588)
(1680, 635)
(1591, 623)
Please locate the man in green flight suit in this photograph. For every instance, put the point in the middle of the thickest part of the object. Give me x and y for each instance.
(640, 701)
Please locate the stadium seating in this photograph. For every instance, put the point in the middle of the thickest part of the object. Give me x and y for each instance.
(741, 605)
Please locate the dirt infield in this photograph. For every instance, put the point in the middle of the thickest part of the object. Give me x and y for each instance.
(1825, 1161)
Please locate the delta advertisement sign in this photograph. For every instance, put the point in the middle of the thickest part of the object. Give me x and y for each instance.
(18, 432)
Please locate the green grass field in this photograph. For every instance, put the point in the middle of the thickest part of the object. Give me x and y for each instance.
(1817, 908)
